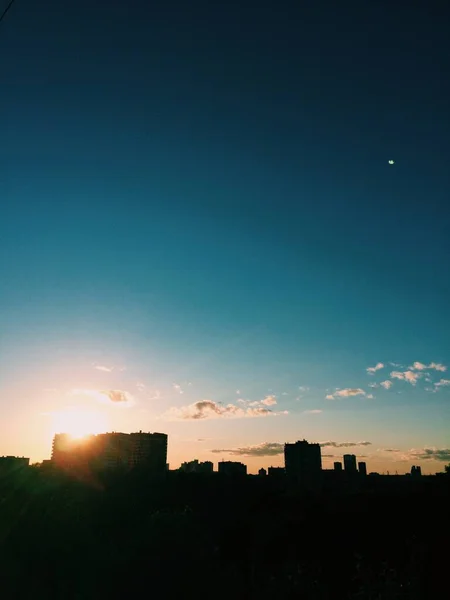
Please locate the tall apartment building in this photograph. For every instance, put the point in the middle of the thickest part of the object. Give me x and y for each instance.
(362, 468)
(112, 450)
(350, 463)
(303, 462)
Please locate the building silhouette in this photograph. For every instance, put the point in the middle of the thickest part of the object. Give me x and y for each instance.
(194, 466)
(338, 466)
(13, 463)
(111, 451)
(262, 472)
(416, 471)
(303, 462)
(232, 468)
(362, 468)
(350, 463)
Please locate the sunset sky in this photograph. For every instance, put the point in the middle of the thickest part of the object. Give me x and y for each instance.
(201, 232)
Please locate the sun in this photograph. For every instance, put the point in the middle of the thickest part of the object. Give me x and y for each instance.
(79, 422)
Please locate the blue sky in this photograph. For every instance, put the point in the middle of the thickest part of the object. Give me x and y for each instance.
(197, 194)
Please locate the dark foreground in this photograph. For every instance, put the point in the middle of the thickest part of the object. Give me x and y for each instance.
(196, 537)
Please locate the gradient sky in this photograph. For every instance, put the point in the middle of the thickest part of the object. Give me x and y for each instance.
(197, 207)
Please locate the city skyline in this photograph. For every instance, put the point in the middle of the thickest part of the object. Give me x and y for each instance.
(230, 226)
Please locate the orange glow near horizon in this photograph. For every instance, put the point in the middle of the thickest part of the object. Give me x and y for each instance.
(79, 423)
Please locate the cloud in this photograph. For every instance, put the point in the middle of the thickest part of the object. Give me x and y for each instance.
(156, 395)
(208, 409)
(390, 450)
(103, 368)
(269, 401)
(442, 454)
(418, 366)
(141, 386)
(118, 396)
(106, 396)
(303, 388)
(315, 411)
(437, 366)
(343, 444)
(264, 449)
(377, 367)
(373, 385)
(387, 384)
(346, 393)
(370, 396)
(177, 388)
(408, 376)
(442, 382)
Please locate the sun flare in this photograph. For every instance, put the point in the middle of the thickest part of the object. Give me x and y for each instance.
(79, 422)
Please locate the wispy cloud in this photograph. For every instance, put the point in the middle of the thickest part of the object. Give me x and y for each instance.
(418, 366)
(303, 388)
(346, 393)
(264, 449)
(141, 386)
(343, 444)
(409, 376)
(373, 385)
(314, 411)
(121, 397)
(387, 384)
(441, 454)
(442, 382)
(103, 368)
(208, 409)
(377, 367)
(178, 388)
(370, 396)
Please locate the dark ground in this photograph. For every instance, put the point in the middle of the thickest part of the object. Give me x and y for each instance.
(92, 538)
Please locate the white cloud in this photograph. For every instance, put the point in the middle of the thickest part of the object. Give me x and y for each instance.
(141, 386)
(377, 367)
(269, 401)
(418, 366)
(373, 385)
(370, 396)
(303, 388)
(315, 411)
(387, 384)
(178, 388)
(103, 368)
(437, 366)
(346, 393)
(208, 409)
(408, 376)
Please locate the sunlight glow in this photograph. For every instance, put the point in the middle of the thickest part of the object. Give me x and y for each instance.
(79, 422)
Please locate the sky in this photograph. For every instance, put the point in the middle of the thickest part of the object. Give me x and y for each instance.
(201, 232)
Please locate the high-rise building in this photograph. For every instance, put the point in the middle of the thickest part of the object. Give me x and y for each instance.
(232, 468)
(350, 463)
(362, 468)
(303, 462)
(112, 450)
(338, 466)
(262, 472)
(416, 471)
